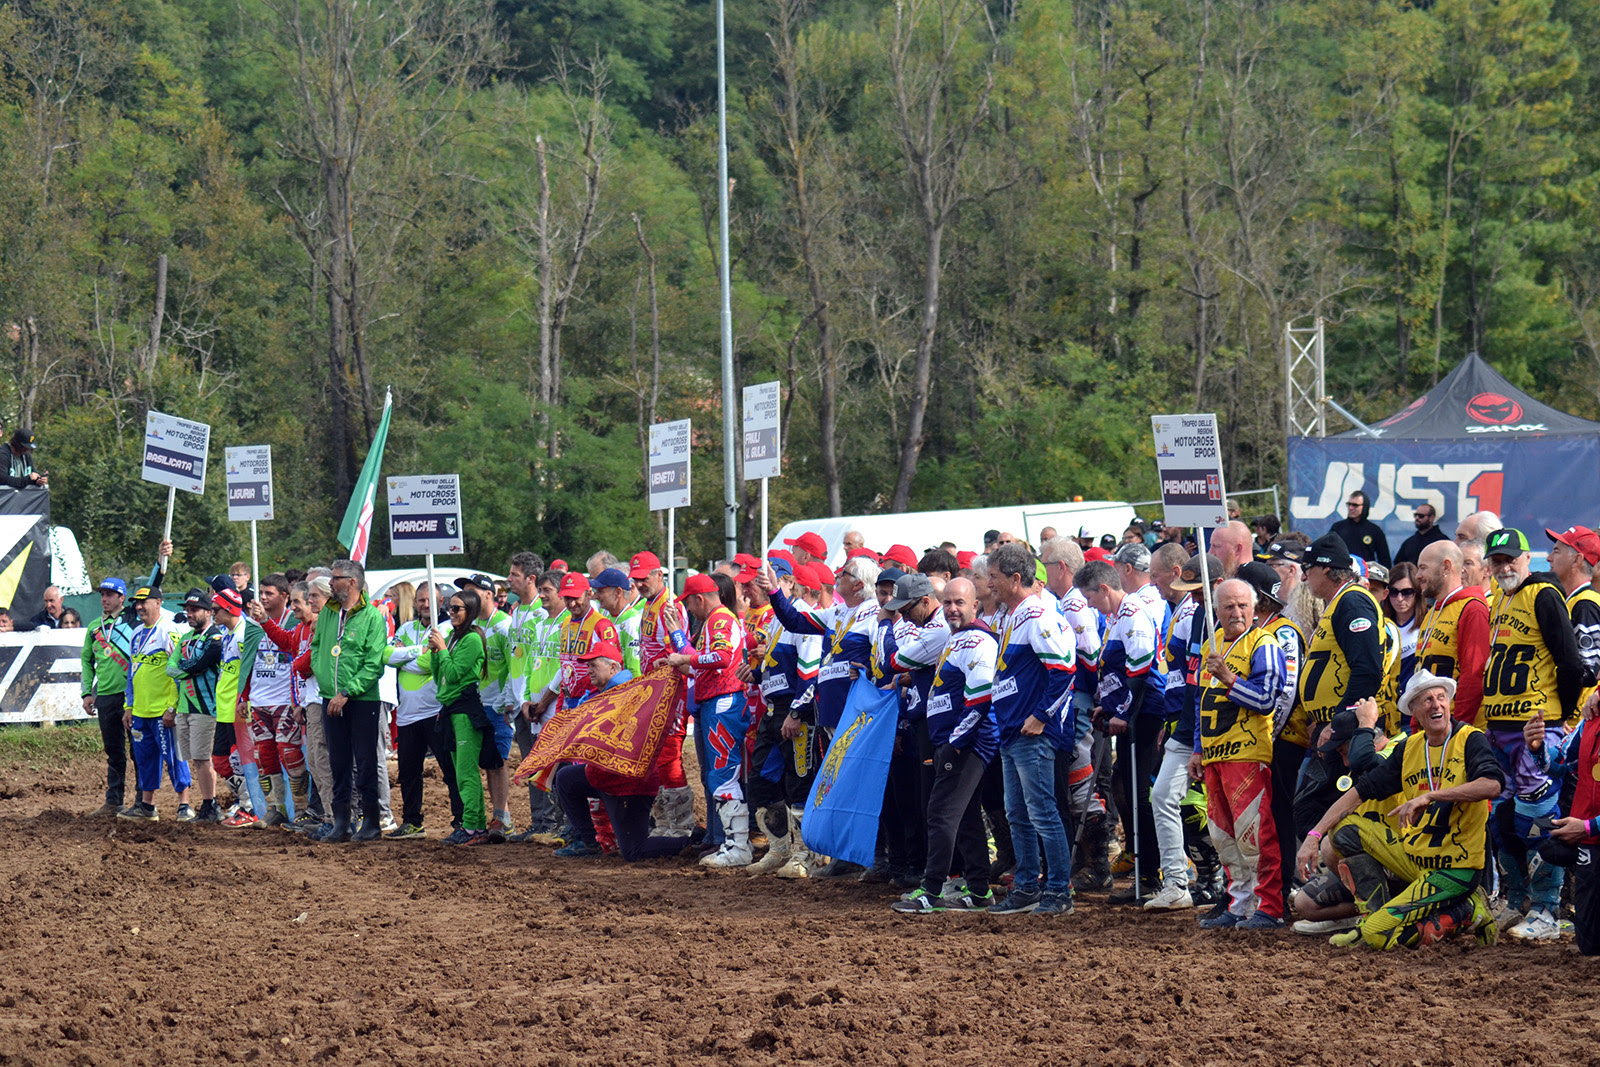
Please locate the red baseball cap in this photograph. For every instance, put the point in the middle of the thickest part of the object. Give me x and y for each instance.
(605, 649)
(699, 583)
(785, 555)
(902, 555)
(824, 575)
(745, 559)
(806, 576)
(574, 584)
(964, 559)
(1582, 540)
(1096, 555)
(858, 553)
(559, 565)
(642, 564)
(811, 542)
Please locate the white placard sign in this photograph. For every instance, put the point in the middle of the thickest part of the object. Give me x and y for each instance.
(249, 482)
(1189, 464)
(175, 452)
(425, 515)
(669, 465)
(763, 453)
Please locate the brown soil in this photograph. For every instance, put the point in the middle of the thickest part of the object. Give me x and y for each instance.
(174, 945)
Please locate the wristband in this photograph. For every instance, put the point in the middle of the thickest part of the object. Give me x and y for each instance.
(1315, 833)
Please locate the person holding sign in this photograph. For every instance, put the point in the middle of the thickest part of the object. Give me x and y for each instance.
(460, 665)
(1244, 676)
(349, 653)
(152, 706)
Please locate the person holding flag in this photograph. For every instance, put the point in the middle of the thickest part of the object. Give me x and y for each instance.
(349, 653)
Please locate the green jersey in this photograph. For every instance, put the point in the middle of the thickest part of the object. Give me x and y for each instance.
(628, 626)
(497, 633)
(107, 656)
(419, 693)
(544, 668)
(523, 631)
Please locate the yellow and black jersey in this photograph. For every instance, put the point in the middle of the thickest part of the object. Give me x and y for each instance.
(1448, 834)
(1584, 607)
(1344, 662)
(1533, 657)
(1236, 721)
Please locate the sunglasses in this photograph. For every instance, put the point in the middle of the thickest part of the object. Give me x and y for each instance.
(1397, 593)
(455, 608)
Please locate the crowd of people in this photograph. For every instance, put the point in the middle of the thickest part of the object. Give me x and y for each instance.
(1275, 730)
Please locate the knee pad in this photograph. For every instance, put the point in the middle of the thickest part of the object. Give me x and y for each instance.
(292, 759)
(267, 756)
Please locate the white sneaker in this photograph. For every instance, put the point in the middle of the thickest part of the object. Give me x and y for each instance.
(1324, 927)
(1172, 898)
(1538, 925)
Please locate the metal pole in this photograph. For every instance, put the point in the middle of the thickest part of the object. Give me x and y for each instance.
(433, 595)
(172, 501)
(1277, 508)
(1133, 796)
(255, 559)
(672, 560)
(766, 532)
(729, 487)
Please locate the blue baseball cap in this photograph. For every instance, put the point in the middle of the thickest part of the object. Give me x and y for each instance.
(780, 566)
(611, 578)
(113, 585)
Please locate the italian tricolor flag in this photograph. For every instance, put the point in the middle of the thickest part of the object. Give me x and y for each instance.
(355, 531)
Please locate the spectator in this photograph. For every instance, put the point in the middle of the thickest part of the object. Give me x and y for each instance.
(1266, 529)
(71, 620)
(16, 462)
(1360, 534)
(6, 624)
(1400, 607)
(1427, 523)
(1477, 527)
(1232, 544)
(49, 618)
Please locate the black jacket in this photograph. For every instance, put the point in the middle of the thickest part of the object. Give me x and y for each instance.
(1363, 538)
(1411, 548)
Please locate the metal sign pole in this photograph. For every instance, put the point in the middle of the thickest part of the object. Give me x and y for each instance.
(766, 532)
(672, 559)
(255, 559)
(172, 501)
(433, 594)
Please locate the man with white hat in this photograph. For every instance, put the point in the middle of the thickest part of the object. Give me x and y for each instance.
(1441, 780)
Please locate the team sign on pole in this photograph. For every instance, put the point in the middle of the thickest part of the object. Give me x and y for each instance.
(762, 452)
(175, 452)
(669, 465)
(425, 515)
(1189, 463)
(249, 481)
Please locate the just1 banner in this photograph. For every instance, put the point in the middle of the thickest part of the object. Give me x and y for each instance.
(620, 730)
(1531, 483)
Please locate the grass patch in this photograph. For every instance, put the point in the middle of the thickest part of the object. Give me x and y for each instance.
(23, 742)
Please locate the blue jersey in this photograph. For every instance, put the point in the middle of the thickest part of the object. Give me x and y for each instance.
(917, 651)
(1033, 672)
(846, 634)
(791, 663)
(959, 708)
(1129, 681)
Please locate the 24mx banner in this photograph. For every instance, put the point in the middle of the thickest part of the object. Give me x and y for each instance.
(1531, 483)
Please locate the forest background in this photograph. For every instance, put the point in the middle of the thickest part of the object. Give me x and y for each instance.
(979, 244)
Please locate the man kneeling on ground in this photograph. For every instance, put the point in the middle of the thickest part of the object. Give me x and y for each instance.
(1441, 781)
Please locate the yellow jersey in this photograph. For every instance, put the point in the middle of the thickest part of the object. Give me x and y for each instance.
(1230, 732)
(1325, 674)
(1521, 676)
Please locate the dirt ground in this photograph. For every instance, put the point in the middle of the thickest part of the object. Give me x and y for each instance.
(174, 945)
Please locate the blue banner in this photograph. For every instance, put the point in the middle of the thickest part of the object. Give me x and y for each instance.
(1531, 483)
(841, 818)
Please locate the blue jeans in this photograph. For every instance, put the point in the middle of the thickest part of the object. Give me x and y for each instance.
(1028, 766)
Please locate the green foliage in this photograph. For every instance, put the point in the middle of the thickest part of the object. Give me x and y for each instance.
(1155, 190)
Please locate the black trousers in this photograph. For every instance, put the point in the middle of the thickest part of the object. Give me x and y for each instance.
(992, 794)
(353, 742)
(955, 821)
(114, 736)
(792, 788)
(1286, 759)
(1138, 746)
(417, 739)
(905, 803)
(1580, 861)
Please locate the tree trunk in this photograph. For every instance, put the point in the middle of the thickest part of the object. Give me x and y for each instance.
(157, 314)
(911, 447)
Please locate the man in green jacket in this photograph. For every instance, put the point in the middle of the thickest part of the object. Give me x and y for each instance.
(106, 656)
(349, 653)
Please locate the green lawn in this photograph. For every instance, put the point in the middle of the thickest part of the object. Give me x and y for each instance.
(29, 743)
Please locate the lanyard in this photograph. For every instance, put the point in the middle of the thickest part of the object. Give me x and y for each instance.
(1228, 652)
(1435, 615)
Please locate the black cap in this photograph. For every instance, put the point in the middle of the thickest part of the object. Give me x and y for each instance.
(1328, 551)
(23, 438)
(1108, 542)
(1263, 579)
(477, 581)
(1189, 578)
(890, 575)
(991, 537)
(197, 598)
(1340, 730)
(1292, 551)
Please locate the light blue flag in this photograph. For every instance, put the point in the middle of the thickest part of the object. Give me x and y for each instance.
(841, 818)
